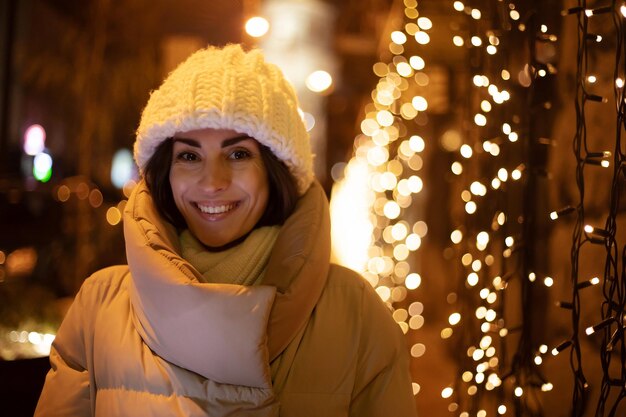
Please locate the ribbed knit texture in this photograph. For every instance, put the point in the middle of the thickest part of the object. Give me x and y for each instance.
(227, 88)
(243, 264)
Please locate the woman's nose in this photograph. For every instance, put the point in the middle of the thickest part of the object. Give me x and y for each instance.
(215, 176)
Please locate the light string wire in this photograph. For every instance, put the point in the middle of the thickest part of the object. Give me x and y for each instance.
(613, 383)
(526, 371)
(580, 383)
(613, 285)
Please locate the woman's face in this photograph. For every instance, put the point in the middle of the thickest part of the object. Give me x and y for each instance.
(219, 184)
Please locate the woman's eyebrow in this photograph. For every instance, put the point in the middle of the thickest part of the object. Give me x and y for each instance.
(226, 143)
(190, 142)
(236, 139)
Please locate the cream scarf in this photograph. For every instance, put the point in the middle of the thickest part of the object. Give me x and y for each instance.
(243, 264)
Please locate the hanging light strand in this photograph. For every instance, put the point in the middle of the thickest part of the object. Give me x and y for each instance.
(610, 324)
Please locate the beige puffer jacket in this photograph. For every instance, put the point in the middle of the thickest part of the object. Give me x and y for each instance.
(149, 339)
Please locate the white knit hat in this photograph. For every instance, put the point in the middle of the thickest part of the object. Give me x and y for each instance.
(227, 88)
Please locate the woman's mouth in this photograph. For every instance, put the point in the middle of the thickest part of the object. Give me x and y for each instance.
(216, 208)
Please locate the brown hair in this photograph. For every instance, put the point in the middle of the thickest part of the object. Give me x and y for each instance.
(283, 193)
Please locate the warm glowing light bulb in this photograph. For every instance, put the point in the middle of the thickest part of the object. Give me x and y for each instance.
(447, 392)
(459, 6)
(412, 281)
(454, 319)
(485, 342)
(456, 236)
(466, 151)
(458, 41)
(424, 23)
(477, 188)
(519, 391)
(398, 37)
(476, 14)
(417, 62)
(113, 216)
(476, 41)
(472, 279)
(257, 26)
(422, 38)
(391, 210)
(482, 238)
(415, 184)
(417, 143)
(384, 118)
(419, 103)
(480, 119)
(319, 81)
(404, 69)
(413, 242)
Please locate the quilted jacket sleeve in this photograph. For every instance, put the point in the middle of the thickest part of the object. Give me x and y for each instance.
(383, 383)
(66, 391)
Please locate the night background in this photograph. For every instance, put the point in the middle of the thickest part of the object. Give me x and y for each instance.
(472, 152)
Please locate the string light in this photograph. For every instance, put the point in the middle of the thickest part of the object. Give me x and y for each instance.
(384, 173)
(604, 323)
(614, 297)
(507, 178)
(562, 212)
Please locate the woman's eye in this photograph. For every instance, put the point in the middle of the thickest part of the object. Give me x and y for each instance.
(240, 154)
(187, 156)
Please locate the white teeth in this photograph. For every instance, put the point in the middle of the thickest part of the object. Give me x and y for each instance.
(216, 209)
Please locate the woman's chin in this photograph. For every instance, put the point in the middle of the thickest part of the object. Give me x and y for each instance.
(216, 245)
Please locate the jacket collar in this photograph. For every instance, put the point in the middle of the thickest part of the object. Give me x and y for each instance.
(298, 267)
(227, 333)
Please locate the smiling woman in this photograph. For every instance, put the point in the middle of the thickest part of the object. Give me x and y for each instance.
(219, 184)
(229, 304)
